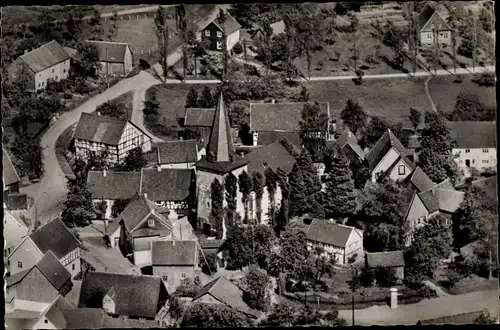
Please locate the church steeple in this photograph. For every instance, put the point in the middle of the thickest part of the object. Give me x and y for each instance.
(220, 146)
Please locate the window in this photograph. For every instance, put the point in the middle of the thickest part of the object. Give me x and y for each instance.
(486, 161)
(443, 34)
(64, 71)
(207, 33)
(429, 35)
(219, 34)
(73, 267)
(183, 275)
(401, 170)
(219, 45)
(19, 264)
(485, 150)
(53, 70)
(151, 222)
(46, 321)
(467, 150)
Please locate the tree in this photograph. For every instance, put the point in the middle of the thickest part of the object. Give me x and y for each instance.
(151, 107)
(188, 288)
(266, 45)
(466, 48)
(271, 186)
(309, 172)
(245, 184)
(453, 22)
(119, 206)
(210, 263)
(78, 207)
(354, 116)
(436, 158)
(89, 58)
(340, 196)
(304, 95)
(162, 34)
(468, 106)
(314, 129)
(222, 21)
(259, 191)
(297, 191)
(282, 220)
(30, 155)
(198, 50)
(214, 316)
(95, 22)
(231, 188)
(73, 26)
(192, 98)
(206, 98)
(255, 290)
(360, 173)
(281, 315)
(114, 26)
(134, 161)
(182, 27)
(82, 166)
(112, 109)
(217, 213)
(374, 130)
(415, 117)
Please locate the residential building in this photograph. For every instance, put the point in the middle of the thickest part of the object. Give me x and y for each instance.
(14, 231)
(11, 179)
(417, 182)
(54, 236)
(389, 156)
(175, 260)
(96, 134)
(276, 27)
(199, 120)
(132, 296)
(49, 62)
(212, 33)
(440, 199)
(35, 288)
(265, 138)
(429, 20)
(222, 291)
(179, 153)
(348, 144)
(342, 242)
(475, 145)
(115, 58)
(388, 259)
(488, 185)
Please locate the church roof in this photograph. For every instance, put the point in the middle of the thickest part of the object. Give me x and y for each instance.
(220, 146)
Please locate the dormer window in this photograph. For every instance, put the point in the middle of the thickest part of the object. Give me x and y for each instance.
(151, 222)
(401, 170)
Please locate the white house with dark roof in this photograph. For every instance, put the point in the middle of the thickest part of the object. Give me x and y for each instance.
(387, 259)
(14, 231)
(430, 19)
(179, 153)
(475, 144)
(418, 181)
(338, 241)
(42, 64)
(115, 58)
(212, 33)
(95, 134)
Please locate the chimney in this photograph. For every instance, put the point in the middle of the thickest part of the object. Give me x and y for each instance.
(98, 113)
(104, 173)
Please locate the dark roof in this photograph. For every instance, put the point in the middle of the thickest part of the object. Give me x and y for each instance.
(167, 184)
(279, 116)
(55, 236)
(102, 129)
(385, 259)
(220, 167)
(473, 134)
(122, 323)
(347, 138)
(65, 316)
(111, 52)
(387, 141)
(199, 117)
(210, 244)
(429, 18)
(424, 15)
(177, 151)
(10, 175)
(420, 179)
(174, 253)
(329, 232)
(437, 199)
(17, 277)
(138, 295)
(220, 146)
(53, 270)
(45, 56)
(274, 156)
(231, 25)
(115, 185)
(137, 211)
(268, 137)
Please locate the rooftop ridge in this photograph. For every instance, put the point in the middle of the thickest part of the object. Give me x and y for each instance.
(45, 44)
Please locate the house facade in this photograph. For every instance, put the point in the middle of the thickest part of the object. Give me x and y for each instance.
(433, 26)
(389, 259)
(348, 144)
(212, 34)
(11, 179)
(49, 62)
(95, 134)
(181, 154)
(199, 120)
(115, 58)
(14, 231)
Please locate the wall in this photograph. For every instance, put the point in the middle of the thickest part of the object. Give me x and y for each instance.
(34, 287)
(142, 258)
(129, 60)
(174, 274)
(74, 267)
(27, 253)
(27, 305)
(478, 158)
(44, 323)
(212, 39)
(131, 138)
(232, 39)
(82, 146)
(394, 174)
(179, 165)
(385, 163)
(265, 205)
(56, 72)
(112, 236)
(16, 67)
(203, 183)
(354, 245)
(329, 251)
(427, 38)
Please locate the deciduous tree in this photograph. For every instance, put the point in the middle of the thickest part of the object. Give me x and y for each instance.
(206, 99)
(214, 316)
(134, 161)
(78, 207)
(163, 35)
(415, 117)
(468, 106)
(255, 290)
(297, 191)
(354, 116)
(113, 109)
(314, 129)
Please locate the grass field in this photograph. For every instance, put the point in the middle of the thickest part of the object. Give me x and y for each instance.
(390, 98)
(126, 100)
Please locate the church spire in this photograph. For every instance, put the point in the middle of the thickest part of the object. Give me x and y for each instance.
(220, 144)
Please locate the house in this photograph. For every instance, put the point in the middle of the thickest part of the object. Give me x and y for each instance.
(223, 291)
(387, 259)
(133, 296)
(213, 31)
(199, 120)
(95, 134)
(428, 20)
(115, 58)
(389, 156)
(49, 62)
(440, 199)
(348, 144)
(35, 288)
(212, 246)
(418, 181)
(179, 153)
(170, 188)
(269, 137)
(342, 242)
(54, 236)
(11, 179)
(276, 27)
(14, 231)
(175, 260)
(475, 144)
(488, 185)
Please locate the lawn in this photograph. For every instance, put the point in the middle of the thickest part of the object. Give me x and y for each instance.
(471, 284)
(126, 100)
(444, 91)
(390, 98)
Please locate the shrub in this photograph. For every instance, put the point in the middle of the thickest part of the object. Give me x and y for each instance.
(352, 258)
(238, 48)
(210, 265)
(485, 79)
(466, 48)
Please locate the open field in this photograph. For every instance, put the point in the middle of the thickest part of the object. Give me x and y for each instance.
(473, 283)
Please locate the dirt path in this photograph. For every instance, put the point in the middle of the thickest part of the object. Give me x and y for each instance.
(428, 93)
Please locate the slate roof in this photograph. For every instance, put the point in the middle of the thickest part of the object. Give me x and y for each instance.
(167, 184)
(14, 230)
(387, 141)
(268, 137)
(111, 52)
(347, 138)
(437, 199)
(424, 15)
(115, 185)
(429, 14)
(473, 134)
(278, 27)
(420, 179)
(138, 295)
(101, 129)
(137, 211)
(182, 229)
(231, 25)
(174, 253)
(177, 151)
(226, 292)
(199, 117)
(279, 116)
(121, 323)
(329, 233)
(10, 175)
(385, 259)
(55, 236)
(220, 147)
(45, 56)
(274, 156)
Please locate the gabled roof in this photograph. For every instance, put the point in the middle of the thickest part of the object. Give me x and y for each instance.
(274, 156)
(438, 199)
(101, 129)
(348, 138)
(227, 293)
(174, 253)
(331, 233)
(199, 117)
(167, 184)
(385, 259)
(10, 175)
(230, 24)
(113, 184)
(279, 116)
(63, 315)
(138, 295)
(278, 27)
(473, 134)
(489, 185)
(45, 56)
(387, 141)
(429, 17)
(55, 236)
(268, 137)
(420, 180)
(182, 229)
(139, 210)
(424, 15)
(111, 52)
(177, 151)
(14, 230)
(220, 146)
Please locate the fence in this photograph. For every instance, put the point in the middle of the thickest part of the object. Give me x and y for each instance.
(128, 17)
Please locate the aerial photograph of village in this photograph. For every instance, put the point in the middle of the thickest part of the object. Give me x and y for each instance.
(249, 165)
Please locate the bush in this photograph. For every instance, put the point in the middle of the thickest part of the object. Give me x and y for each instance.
(352, 258)
(466, 48)
(486, 79)
(238, 48)
(210, 266)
